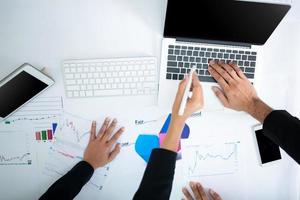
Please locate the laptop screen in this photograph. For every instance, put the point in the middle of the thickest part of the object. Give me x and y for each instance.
(223, 20)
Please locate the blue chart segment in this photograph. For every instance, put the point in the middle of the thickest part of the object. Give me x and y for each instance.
(212, 159)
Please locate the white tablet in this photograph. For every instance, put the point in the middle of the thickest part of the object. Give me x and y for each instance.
(21, 86)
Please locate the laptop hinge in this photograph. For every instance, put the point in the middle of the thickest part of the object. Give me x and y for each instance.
(214, 42)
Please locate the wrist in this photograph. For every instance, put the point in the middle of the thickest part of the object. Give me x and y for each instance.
(259, 109)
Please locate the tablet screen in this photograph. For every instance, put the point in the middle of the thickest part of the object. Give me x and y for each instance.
(18, 91)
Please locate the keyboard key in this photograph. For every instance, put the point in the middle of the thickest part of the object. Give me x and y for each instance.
(179, 58)
(172, 64)
(186, 65)
(205, 66)
(246, 64)
(184, 47)
(252, 58)
(253, 53)
(222, 50)
(251, 70)
(198, 59)
(226, 55)
(228, 51)
(189, 53)
(232, 56)
(209, 49)
(240, 63)
(185, 58)
(214, 55)
(241, 52)
(190, 48)
(207, 54)
(216, 50)
(173, 70)
(108, 92)
(197, 48)
(249, 75)
(183, 52)
(207, 79)
(180, 64)
(171, 57)
(220, 55)
(175, 77)
(199, 66)
(204, 60)
(238, 57)
(192, 59)
(171, 46)
(195, 53)
(177, 52)
(170, 51)
(183, 70)
(244, 57)
(252, 64)
(181, 76)
(177, 47)
(201, 54)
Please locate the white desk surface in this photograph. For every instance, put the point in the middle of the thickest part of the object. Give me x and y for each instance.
(44, 33)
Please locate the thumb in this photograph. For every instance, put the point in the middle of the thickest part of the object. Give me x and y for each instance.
(221, 96)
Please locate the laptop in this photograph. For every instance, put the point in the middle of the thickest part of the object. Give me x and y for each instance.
(197, 31)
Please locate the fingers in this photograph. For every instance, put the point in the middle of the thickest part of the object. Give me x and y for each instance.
(93, 131)
(107, 133)
(221, 71)
(230, 70)
(218, 78)
(196, 192)
(221, 96)
(214, 195)
(201, 191)
(187, 194)
(116, 136)
(180, 91)
(238, 70)
(103, 128)
(114, 153)
(197, 89)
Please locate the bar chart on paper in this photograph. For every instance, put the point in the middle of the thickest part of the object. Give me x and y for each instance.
(43, 113)
(15, 148)
(211, 159)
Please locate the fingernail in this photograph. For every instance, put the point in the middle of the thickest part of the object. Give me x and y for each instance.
(212, 62)
(107, 119)
(214, 89)
(115, 121)
(212, 192)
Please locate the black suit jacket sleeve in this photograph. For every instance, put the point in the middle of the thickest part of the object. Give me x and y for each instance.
(284, 129)
(158, 177)
(68, 186)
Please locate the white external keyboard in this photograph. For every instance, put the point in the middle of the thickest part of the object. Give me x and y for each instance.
(110, 77)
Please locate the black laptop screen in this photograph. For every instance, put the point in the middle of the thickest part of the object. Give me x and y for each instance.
(223, 20)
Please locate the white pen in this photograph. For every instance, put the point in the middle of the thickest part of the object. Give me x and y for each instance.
(186, 92)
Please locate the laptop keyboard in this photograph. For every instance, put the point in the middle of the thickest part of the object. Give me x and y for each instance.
(182, 58)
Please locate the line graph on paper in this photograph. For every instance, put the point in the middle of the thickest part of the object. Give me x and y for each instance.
(15, 148)
(211, 159)
(65, 155)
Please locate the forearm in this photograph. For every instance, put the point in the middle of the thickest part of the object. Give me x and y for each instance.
(68, 186)
(158, 177)
(172, 138)
(259, 110)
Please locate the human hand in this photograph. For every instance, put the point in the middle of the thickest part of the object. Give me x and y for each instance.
(99, 151)
(193, 104)
(236, 91)
(199, 193)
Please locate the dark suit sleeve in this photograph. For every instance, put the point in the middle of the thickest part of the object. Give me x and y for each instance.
(284, 129)
(68, 186)
(158, 177)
